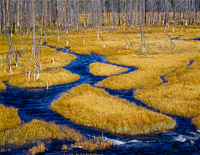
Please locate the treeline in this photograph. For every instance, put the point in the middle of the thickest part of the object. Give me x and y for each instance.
(19, 14)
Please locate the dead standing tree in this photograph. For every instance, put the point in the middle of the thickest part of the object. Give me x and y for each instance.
(36, 66)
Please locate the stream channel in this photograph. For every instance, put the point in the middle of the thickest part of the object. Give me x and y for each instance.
(35, 104)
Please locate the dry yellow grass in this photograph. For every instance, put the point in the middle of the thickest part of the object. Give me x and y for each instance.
(163, 63)
(94, 107)
(8, 118)
(137, 79)
(180, 96)
(60, 59)
(101, 69)
(114, 40)
(196, 122)
(2, 86)
(47, 78)
(98, 144)
(30, 133)
(175, 99)
(150, 69)
(37, 149)
(45, 59)
(39, 130)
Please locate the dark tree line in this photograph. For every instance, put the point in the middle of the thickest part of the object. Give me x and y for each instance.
(18, 14)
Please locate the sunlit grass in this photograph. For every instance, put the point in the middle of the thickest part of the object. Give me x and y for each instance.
(175, 99)
(196, 122)
(136, 79)
(157, 40)
(37, 149)
(94, 107)
(101, 69)
(180, 96)
(48, 59)
(38, 130)
(60, 59)
(47, 78)
(150, 70)
(8, 118)
(97, 144)
(2, 86)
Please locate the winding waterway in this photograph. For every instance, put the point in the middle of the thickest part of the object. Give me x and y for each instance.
(35, 104)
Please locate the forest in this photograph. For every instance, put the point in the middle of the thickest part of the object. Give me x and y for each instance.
(99, 77)
(76, 13)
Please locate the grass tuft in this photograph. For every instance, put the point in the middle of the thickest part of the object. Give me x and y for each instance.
(2, 86)
(8, 118)
(37, 149)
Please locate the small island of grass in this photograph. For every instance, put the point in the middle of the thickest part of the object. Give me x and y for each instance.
(94, 107)
(47, 78)
(101, 69)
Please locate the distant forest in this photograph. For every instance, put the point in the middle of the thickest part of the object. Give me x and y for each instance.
(20, 14)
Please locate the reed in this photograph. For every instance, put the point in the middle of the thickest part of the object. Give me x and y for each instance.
(94, 107)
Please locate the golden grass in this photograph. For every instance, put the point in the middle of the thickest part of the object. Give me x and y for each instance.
(8, 118)
(114, 40)
(150, 69)
(186, 75)
(180, 96)
(94, 107)
(101, 69)
(37, 149)
(4, 76)
(60, 59)
(137, 79)
(196, 122)
(2, 86)
(175, 99)
(30, 133)
(40, 130)
(47, 78)
(98, 144)
(45, 59)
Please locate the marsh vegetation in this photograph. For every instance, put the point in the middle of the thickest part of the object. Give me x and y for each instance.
(94, 70)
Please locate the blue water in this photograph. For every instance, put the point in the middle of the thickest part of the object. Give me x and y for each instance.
(34, 104)
(197, 39)
(176, 38)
